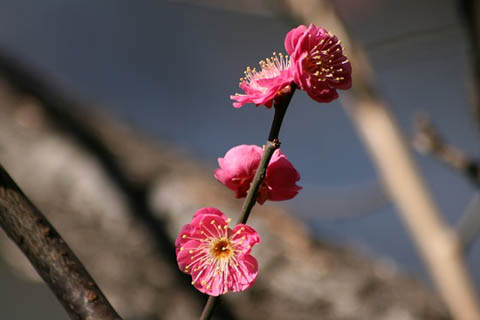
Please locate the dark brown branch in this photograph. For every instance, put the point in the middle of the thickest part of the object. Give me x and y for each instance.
(50, 255)
(427, 140)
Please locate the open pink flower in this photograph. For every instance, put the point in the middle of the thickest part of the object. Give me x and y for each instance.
(262, 86)
(238, 168)
(317, 62)
(217, 257)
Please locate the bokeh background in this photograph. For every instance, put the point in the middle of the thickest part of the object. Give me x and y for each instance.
(168, 68)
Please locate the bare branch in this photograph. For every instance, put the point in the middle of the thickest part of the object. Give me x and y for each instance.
(427, 140)
(50, 255)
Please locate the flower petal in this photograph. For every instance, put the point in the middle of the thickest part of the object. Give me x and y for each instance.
(244, 238)
(182, 236)
(238, 167)
(245, 273)
(281, 178)
(209, 210)
(203, 217)
(292, 38)
(188, 256)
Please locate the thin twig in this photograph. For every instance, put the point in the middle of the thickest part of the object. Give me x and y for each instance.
(427, 140)
(468, 227)
(281, 105)
(50, 255)
(209, 307)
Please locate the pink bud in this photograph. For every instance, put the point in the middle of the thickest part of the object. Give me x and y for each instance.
(238, 168)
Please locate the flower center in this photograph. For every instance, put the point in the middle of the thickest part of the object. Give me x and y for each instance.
(321, 61)
(221, 248)
(270, 68)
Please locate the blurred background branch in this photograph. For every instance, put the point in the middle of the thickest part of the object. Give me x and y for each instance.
(468, 228)
(427, 140)
(470, 11)
(378, 128)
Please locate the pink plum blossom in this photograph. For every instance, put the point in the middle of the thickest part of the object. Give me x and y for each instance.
(261, 87)
(317, 62)
(216, 256)
(238, 168)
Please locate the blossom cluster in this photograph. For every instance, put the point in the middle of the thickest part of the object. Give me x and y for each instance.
(215, 255)
(316, 64)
